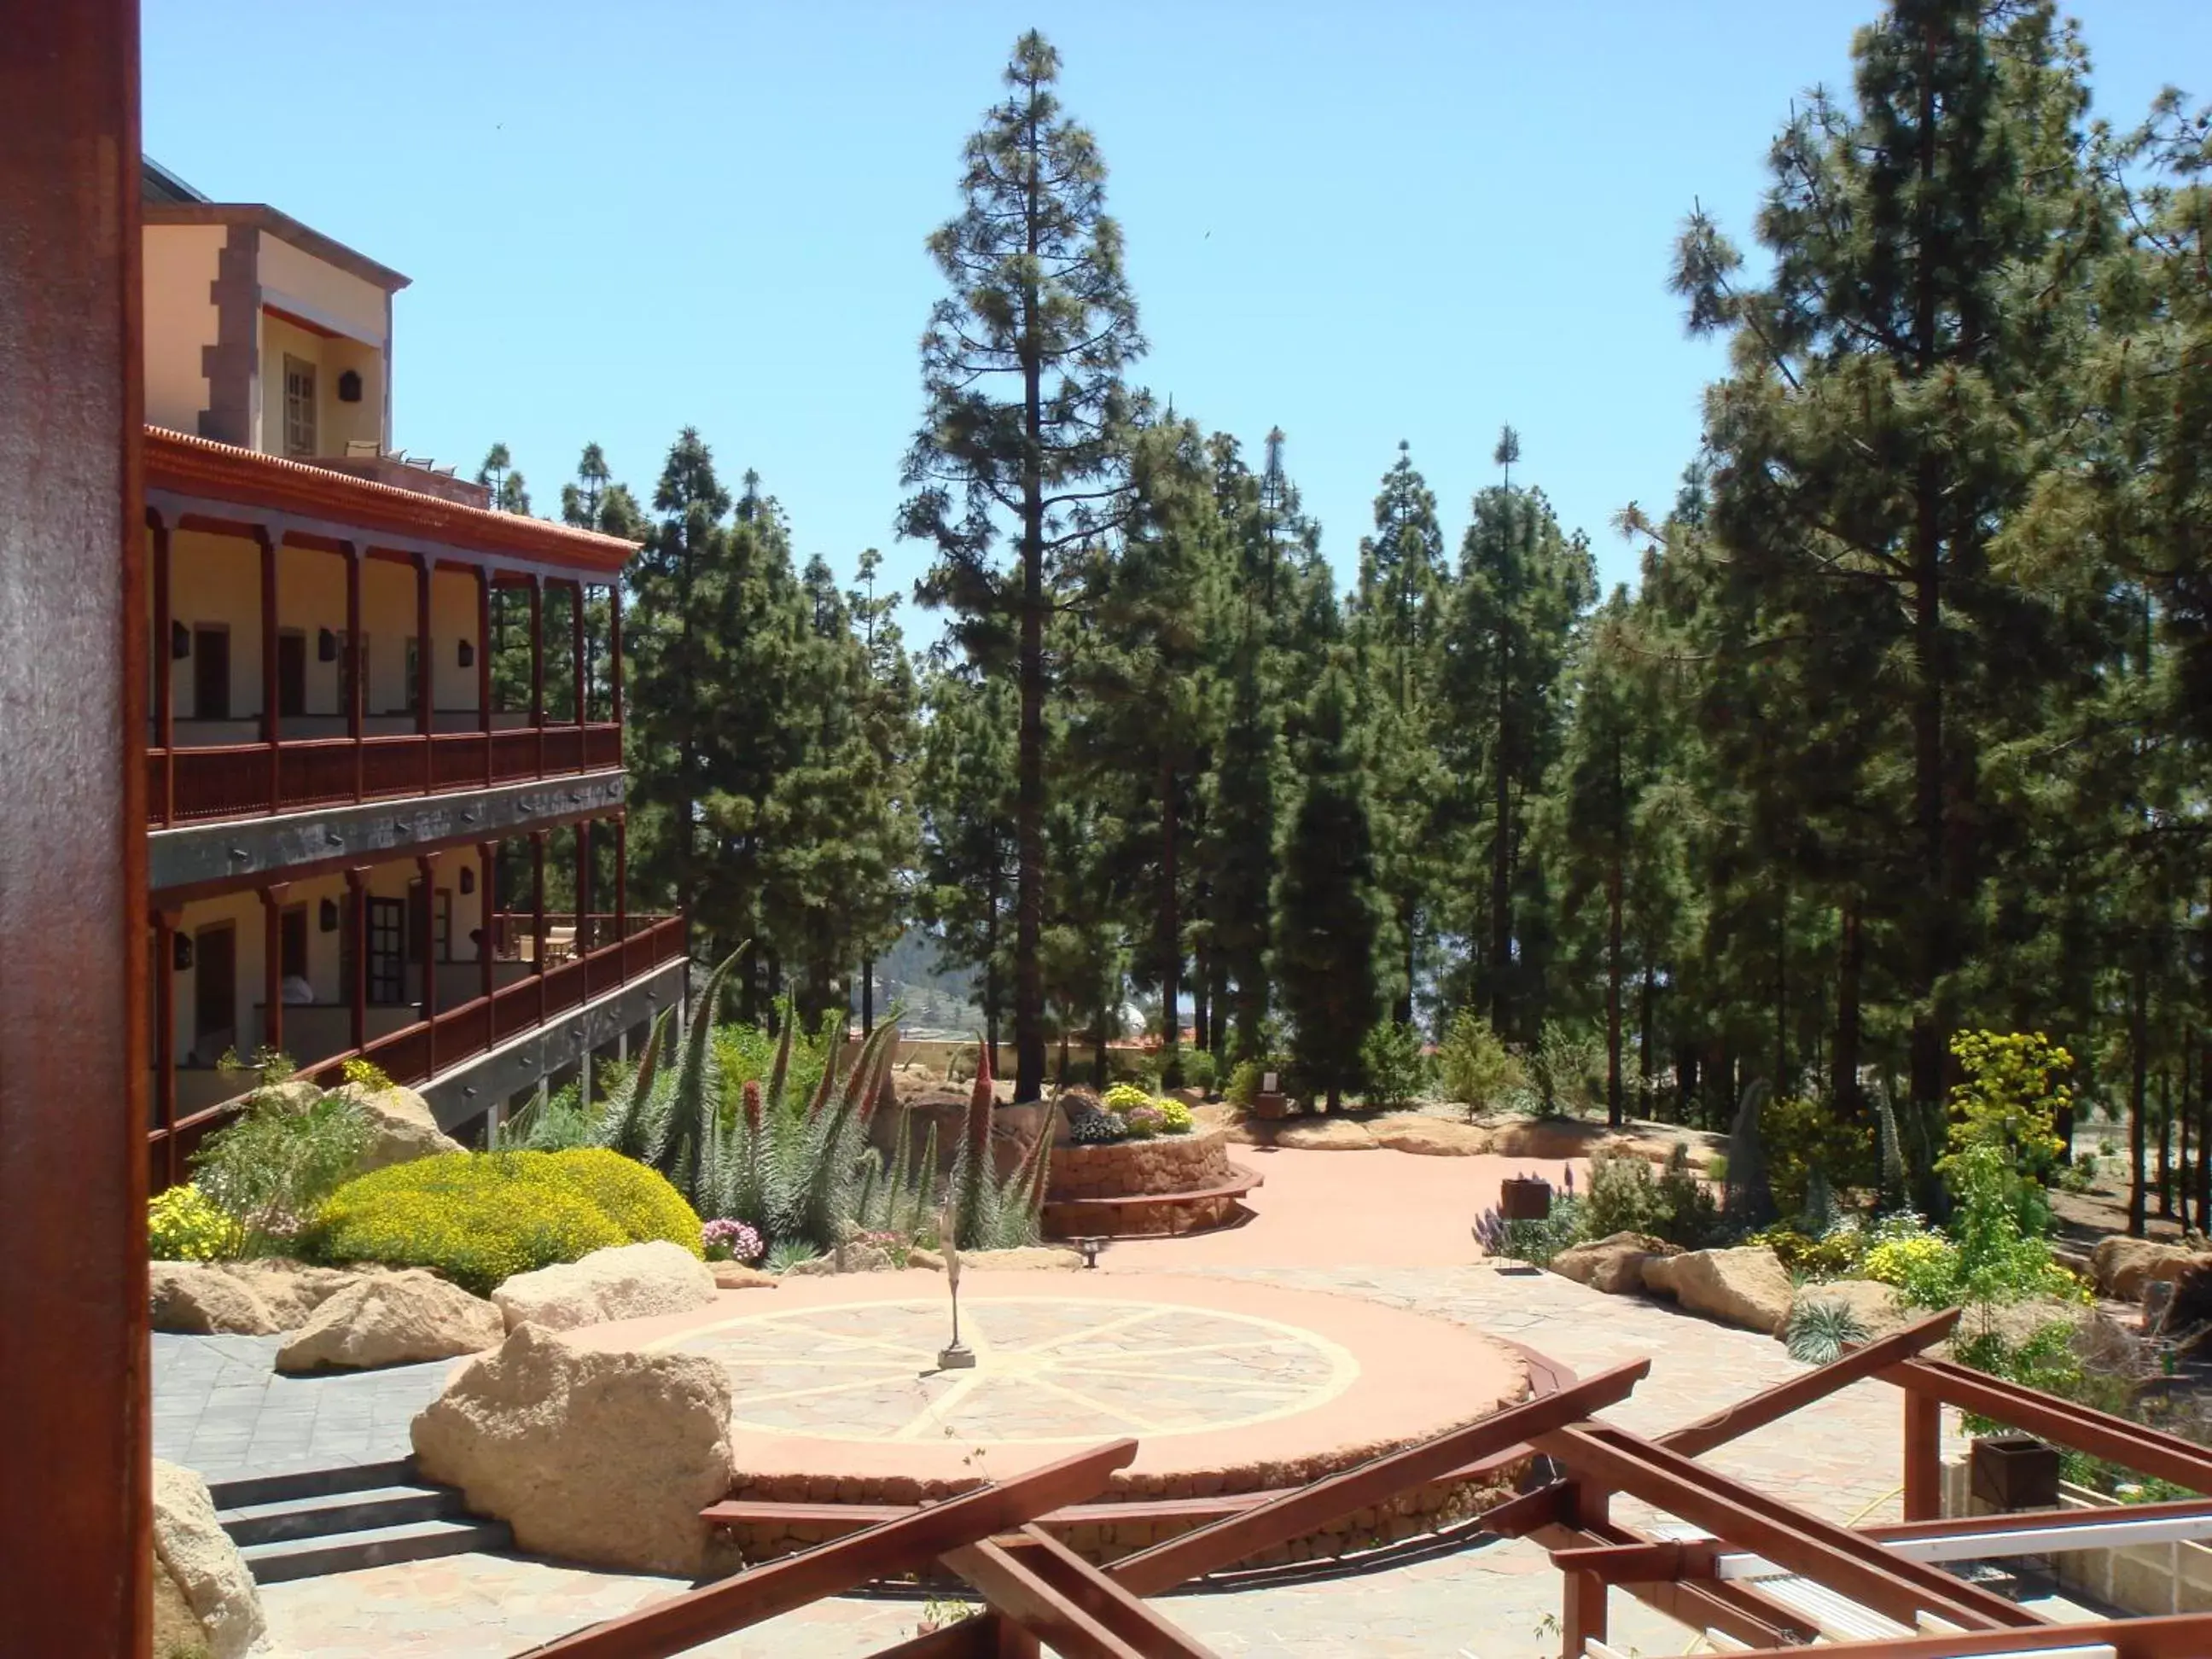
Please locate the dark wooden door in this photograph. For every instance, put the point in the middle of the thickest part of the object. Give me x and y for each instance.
(211, 673)
(215, 985)
(291, 675)
(387, 950)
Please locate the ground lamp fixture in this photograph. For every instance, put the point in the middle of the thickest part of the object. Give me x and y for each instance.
(1090, 1246)
(955, 1356)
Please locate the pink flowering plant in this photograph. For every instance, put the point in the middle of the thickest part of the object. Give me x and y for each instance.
(731, 1241)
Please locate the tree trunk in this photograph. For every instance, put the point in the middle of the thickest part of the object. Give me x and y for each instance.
(1201, 1003)
(1501, 853)
(2138, 1032)
(1029, 801)
(1403, 1010)
(1170, 925)
(1851, 1101)
(867, 995)
(2204, 1139)
(1643, 1033)
(2165, 1143)
(1614, 1114)
(991, 966)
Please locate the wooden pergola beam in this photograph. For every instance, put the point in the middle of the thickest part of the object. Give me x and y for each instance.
(2179, 1635)
(1771, 1405)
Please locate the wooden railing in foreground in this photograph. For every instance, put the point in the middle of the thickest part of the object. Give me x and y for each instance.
(1036, 1590)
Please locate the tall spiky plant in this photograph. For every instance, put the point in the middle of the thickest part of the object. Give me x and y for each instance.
(1750, 1202)
(682, 1130)
(991, 1214)
(624, 1118)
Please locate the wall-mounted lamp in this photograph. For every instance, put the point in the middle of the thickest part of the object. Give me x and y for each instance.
(468, 879)
(349, 386)
(326, 645)
(180, 640)
(468, 654)
(180, 951)
(327, 915)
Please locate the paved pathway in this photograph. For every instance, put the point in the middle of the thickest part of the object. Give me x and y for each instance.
(221, 1408)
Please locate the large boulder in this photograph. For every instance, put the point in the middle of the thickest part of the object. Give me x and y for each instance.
(202, 1566)
(1306, 1134)
(401, 1127)
(601, 1457)
(1613, 1264)
(292, 1291)
(2124, 1268)
(204, 1298)
(627, 1282)
(736, 1276)
(1875, 1305)
(392, 1319)
(1747, 1286)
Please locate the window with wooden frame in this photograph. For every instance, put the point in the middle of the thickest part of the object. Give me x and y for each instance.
(299, 406)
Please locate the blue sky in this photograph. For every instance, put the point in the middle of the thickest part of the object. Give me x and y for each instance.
(1362, 224)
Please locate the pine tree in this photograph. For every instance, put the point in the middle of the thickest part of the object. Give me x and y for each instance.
(1041, 307)
(508, 493)
(1325, 901)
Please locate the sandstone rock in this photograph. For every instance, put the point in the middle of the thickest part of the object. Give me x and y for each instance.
(203, 1564)
(601, 1457)
(292, 1291)
(397, 1319)
(736, 1276)
(627, 1282)
(1323, 1134)
(295, 1092)
(1875, 1304)
(1023, 1258)
(1545, 1138)
(2124, 1267)
(401, 1127)
(1429, 1137)
(177, 1632)
(1613, 1264)
(1747, 1287)
(200, 1298)
(2015, 1321)
(852, 1259)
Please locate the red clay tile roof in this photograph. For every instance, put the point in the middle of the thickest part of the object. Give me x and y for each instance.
(200, 467)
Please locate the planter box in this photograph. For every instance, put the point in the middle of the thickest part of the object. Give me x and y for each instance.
(2013, 1471)
(1524, 1199)
(2141, 1578)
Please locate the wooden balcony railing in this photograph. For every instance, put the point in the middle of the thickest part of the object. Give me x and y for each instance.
(418, 1051)
(193, 784)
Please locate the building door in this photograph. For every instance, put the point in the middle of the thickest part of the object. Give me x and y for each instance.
(292, 934)
(214, 987)
(211, 673)
(387, 950)
(291, 675)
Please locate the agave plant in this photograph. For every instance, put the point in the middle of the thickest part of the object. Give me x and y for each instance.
(1819, 1330)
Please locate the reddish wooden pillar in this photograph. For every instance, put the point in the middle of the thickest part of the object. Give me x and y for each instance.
(76, 1546)
(484, 666)
(486, 910)
(357, 987)
(1924, 1456)
(576, 661)
(272, 721)
(614, 650)
(622, 879)
(583, 886)
(272, 965)
(162, 966)
(426, 871)
(1583, 1616)
(159, 658)
(426, 679)
(356, 689)
(538, 916)
(537, 670)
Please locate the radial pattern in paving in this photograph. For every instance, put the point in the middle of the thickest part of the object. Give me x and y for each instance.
(1046, 1370)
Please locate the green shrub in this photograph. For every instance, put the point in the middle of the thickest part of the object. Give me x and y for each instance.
(1478, 1070)
(1567, 1068)
(1195, 1069)
(1243, 1083)
(270, 1168)
(1800, 1136)
(1626, 1195)
(184, 1225)
(1397, 1071)
(479, 1217)
(1837, 1253)
(1176, 1115)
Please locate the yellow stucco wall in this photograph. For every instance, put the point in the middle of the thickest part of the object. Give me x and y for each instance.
(337, 299)
(336, 422)
(180, 262)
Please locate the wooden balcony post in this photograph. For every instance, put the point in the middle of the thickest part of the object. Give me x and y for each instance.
(487, 908)
(1584, 1594)
(426, 679)
(614, 649)
(1923, 1455)
(357, 877)
(272, 965)
(484, 668)
(583, 886)
(426, 871)
(576, 658)
(538, 916)
(164, 666)
(538, 668)
(272, 723)
(164, 989)
(356, 689)
(622, 879)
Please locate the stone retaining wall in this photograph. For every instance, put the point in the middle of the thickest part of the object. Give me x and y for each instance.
(1134, 1168)
(2140, 1578)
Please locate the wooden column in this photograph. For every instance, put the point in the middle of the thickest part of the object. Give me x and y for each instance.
(538, 668)
(164, 996)
(622, 876)
(487, 907)
(164, 671)
(425, 666)
(357, 991)
(538, 916)
(426, 871)
(484, 666)
(1584, 1617)
(614, 650)
(75, 1548)
(576, 660)
(272, 964)
(583, 886)
(272, 723)
(1924, 1456)
(356, 689)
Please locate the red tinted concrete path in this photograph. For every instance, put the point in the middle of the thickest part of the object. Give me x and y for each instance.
(1378, 1208)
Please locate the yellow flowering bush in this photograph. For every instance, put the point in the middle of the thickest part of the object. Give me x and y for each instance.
(1126, 1097)
(480, 1218)
(2016, 1088)
(1145, 1115)
(1919, 1258)
(184, 1224)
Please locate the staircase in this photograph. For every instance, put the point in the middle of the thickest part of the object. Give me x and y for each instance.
(313, 1521)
